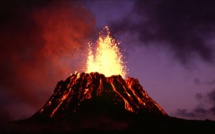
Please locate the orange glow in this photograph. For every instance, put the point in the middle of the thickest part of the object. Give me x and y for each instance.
(107, 58)
(61, 101)
(81, 87)
(127, 105)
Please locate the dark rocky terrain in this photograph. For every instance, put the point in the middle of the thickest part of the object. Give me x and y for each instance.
(93, 103)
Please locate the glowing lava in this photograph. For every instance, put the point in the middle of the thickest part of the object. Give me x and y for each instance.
(107, 58)
(95, 93)
(101, 88)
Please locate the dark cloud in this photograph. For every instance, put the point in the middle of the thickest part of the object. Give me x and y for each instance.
(195, 113)
(212, 82)
(185, 113)
(211, 96)
(197, 81)
(212, 109)
(200, 110)
(199, 96)
(208, 82)
(39, 39)
(184, 27)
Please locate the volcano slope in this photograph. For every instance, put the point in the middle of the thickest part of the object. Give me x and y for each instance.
(86, 103)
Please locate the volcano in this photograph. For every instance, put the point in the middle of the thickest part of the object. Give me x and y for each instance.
(103, 102)
(93, 103)
(93, 93)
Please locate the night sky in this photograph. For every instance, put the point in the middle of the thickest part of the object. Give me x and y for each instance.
(168, 45)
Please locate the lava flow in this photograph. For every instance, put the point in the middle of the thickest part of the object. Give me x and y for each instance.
(95, 92)
(102, 89)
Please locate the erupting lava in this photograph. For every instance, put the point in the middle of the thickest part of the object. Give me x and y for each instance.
(107, 58)
(94, 93)
(101, 89)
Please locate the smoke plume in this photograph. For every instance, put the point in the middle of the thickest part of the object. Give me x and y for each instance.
(185, 28)
(39, 43)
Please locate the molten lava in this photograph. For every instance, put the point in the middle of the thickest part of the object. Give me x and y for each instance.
(102, 89)
(94, 92)
(107, 58)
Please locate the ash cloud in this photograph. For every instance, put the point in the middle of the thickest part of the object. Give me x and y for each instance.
(186, 28)
(200, 110)
(39, 42)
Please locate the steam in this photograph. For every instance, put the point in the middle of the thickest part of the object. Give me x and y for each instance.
(39, 42)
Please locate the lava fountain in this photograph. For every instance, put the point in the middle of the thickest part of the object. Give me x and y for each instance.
(107, 58)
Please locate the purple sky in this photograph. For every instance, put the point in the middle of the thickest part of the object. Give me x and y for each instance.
(177, 71)
(169, 47)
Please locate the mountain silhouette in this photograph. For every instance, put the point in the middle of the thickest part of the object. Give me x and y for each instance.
(96, 94)
(93, 103)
